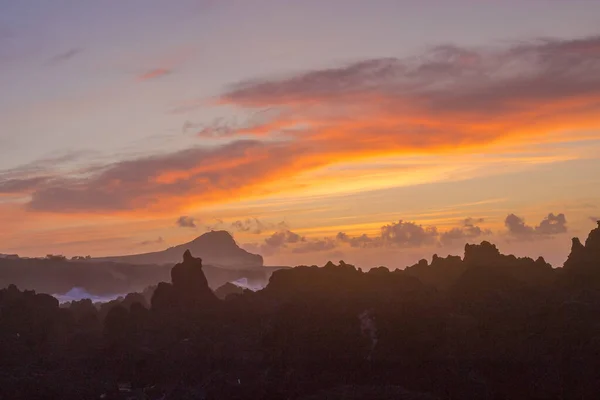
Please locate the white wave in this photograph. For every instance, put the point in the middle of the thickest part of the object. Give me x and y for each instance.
(77, 293)
(243, 283)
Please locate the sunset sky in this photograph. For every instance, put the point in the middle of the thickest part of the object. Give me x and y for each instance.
(378, 132)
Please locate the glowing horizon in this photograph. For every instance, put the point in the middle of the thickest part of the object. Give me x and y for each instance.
(146, 136)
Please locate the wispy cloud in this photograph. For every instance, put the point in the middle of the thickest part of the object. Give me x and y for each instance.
(217, 224)
(448, 100)
(65, 56)
(256, 226)
(37, 175)
(315, 246)
(159, 240)
(450, 96)
(172, 180)
(18, 186)
(154, 74)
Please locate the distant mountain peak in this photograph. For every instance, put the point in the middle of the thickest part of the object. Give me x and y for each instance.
(216, 248)
(221, 236)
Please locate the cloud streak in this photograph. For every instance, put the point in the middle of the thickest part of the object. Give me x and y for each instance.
(65, 56)
(173, 180)
(158, 240)
(256, 226)
(449, 96)
(16, 185)
(315, 246)
(153, 74)
(447, 100)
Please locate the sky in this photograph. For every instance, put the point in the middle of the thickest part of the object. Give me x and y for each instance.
(376, 132)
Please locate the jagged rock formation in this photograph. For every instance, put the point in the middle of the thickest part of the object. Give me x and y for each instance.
(187, 277)
(107, 279)
(228, 289)
(441, 273)
(218, 248)
(61, 276)
(502, 327)
(188, 289)
(445, 272)
(481, 254)
(585, 257)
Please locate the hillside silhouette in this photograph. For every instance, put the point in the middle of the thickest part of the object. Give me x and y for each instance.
(224, 262)
(484, 326)
(217, 248)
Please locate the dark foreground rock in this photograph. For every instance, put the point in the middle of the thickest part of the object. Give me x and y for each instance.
(485, 326)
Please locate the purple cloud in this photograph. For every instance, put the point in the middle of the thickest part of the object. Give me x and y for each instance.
(186, 222)
(551, 225)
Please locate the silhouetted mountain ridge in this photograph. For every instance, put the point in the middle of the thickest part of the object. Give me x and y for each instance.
(218, 248)
(484, 326)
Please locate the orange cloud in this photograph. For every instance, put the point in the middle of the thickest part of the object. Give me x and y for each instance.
(153, 74)
(445, 98)
(447, 101)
